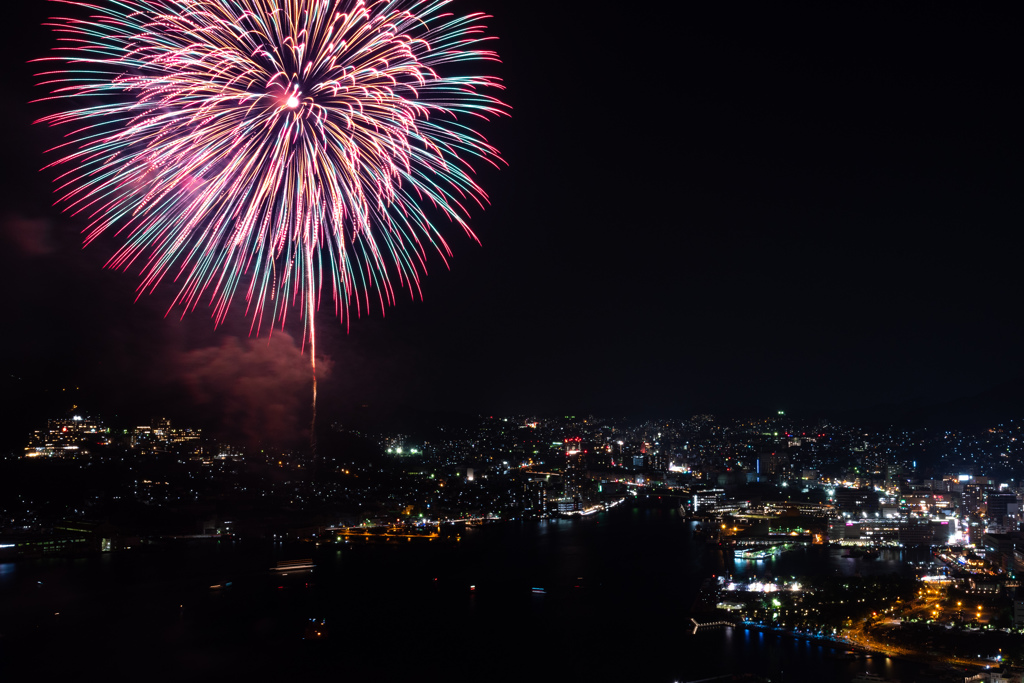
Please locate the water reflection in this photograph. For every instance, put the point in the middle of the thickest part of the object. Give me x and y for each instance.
(609, 579)
(825, 561)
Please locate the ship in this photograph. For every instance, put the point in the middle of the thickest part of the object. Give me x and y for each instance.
(758, 553)
(285, 566)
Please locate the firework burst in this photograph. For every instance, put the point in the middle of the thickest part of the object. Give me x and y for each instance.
(277, 147)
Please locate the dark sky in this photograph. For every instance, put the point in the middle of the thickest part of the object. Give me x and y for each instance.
(705, 207)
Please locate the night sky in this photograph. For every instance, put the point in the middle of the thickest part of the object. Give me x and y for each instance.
(705, 208)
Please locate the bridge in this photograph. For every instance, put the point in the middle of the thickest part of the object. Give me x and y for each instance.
(384, 532)
(709, 624)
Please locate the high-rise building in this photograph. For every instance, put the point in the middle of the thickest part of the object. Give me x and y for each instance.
(971, 499)
(575, 469)
(1003, 510)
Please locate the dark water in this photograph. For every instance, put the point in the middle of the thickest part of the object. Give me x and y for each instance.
(617, 592)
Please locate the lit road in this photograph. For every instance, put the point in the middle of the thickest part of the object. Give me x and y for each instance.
(927, 606)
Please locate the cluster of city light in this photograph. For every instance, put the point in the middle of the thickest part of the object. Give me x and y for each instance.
(594, 509)
(756, 586)
(935, 578)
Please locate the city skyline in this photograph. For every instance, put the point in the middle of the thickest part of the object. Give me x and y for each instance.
(896, 552)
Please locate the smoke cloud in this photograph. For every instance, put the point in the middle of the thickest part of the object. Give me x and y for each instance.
(30, 235)
(258, 390)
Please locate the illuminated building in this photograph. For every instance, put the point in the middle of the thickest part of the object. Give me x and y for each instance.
(771, 463)
(66, 438)
(856, 500)
(575, 469)
(160, 437)
(37, 545)
(707, 499)
(999, 548)
(906, 531)
(971, 499)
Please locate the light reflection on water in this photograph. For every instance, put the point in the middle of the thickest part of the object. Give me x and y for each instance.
(780, 657)
(827, 561)
(625, 571)
(7, 571)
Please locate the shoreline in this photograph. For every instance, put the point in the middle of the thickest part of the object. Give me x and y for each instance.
(838, 641)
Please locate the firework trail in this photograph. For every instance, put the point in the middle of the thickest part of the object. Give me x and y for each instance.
(277, 147)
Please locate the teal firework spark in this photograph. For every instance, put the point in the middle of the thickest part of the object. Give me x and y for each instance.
(277, 147)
